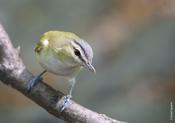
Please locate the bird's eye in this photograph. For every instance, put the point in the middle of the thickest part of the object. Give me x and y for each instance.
(77, 52)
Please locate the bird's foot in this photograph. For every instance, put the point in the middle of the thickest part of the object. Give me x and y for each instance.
(34, 81)
(64, 102)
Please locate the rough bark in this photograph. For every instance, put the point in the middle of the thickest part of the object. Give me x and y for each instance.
(14, 73)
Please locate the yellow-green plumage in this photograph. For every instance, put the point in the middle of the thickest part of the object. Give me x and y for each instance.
(54, 53)
(59, 42)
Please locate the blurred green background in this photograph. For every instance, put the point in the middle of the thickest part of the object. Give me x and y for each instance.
(134, 55)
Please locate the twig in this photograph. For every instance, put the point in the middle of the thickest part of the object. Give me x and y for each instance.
(13, 72)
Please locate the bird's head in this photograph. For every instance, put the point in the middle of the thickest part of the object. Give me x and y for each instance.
(82, 53)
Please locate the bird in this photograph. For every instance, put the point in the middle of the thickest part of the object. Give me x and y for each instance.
(64, 54)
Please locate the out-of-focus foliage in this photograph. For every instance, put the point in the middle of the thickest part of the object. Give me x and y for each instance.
(134, 46)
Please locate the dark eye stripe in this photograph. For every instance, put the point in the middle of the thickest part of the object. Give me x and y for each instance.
(76, 42)
(80, 57)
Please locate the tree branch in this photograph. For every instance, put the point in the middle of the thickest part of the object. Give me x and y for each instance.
(13, 72)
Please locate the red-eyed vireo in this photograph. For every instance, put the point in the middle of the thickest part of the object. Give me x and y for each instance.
(64, 54)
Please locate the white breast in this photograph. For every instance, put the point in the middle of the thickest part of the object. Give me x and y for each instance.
(52, 64)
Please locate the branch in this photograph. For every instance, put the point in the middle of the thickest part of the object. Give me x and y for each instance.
(13, 72)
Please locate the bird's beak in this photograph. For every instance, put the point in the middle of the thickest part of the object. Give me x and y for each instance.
(91, 68)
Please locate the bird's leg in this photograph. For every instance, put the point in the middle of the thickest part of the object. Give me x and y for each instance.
(35, 80)
(71, 86)
(66, 99)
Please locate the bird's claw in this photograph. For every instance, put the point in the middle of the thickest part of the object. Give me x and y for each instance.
(31, 83)
(64, 102)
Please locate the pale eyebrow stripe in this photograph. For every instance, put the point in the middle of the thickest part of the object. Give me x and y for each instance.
(81, 58)
(81, 48)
